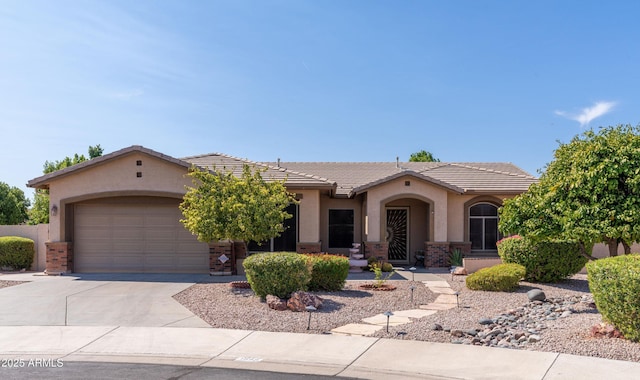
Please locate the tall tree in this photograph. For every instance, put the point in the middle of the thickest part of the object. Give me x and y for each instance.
(589, 193)
(13, 205)
(223, 206)
(39, 213)
(422, 156)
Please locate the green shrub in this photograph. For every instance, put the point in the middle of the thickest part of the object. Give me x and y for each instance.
(328, 272)
(544, 261)
(16, 252)
(387, 267)
(502, 277)
(615, 285)
(277, 273)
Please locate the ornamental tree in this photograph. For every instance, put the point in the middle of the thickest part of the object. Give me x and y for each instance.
(422, 156)
(223, 206)
(13, 205)
(589, 193)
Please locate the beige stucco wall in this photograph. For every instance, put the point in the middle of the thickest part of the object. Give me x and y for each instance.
(309, 216)
(115, 177)
(39, 234)
(378, 196)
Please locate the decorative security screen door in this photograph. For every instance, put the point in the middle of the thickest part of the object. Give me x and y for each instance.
(397, 233)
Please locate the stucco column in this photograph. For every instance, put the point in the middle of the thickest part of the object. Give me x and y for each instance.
(440, 220)
(309, 216)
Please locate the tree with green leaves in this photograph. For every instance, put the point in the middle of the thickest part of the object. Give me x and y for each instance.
(589, 193)
(422, 156)
(223, 206)
(13, 205)
(39, 213)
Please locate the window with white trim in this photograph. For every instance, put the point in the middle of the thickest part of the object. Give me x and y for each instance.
(483, 227)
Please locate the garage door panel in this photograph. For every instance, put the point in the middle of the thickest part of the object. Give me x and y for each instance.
(160, 233)
(128, 220)
(140, 236)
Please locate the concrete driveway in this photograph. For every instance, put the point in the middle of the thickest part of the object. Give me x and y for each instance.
(97, 300)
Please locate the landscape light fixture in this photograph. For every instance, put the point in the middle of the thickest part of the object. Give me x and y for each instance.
(412, 288)
(310, 308)
(388, 314)
(413, 271)
(457, 298)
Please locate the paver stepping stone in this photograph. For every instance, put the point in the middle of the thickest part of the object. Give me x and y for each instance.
(447, 298)
(414, 313)
(356, 329)
(436, 284)
(442, 290)
(438, 306)
(381, 320)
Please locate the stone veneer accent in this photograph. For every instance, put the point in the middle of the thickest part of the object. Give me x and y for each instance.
(436, 254)
(59, 257)
(216, 250)
(377, 249)
(309, 247)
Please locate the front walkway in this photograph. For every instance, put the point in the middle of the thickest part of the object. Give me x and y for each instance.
(447, 299)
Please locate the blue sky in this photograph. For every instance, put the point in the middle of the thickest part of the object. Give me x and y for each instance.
(312, 80)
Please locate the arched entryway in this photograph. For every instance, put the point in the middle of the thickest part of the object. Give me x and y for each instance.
(407, 223)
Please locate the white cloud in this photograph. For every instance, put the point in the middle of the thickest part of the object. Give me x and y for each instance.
(126, 95)
(589, 113)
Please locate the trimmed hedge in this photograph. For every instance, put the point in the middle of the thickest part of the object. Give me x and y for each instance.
(328, 272)
(544, 261)
(16, 252)
(501, 277)
(615, 285)
(277, 273)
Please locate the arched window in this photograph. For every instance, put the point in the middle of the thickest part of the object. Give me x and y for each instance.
(483, 227)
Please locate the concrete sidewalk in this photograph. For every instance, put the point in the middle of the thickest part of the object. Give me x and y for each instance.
(333, 355)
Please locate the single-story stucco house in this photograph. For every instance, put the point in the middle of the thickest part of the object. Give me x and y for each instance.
(119, 212)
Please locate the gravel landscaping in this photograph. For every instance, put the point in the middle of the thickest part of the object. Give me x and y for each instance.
(222, 306)
(6, 284)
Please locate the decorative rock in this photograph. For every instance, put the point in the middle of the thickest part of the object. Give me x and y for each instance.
(534, 338)
(300, 300)
(536, 295)
(276, 303)
(460, 271)
(436, 327)
(518, 327)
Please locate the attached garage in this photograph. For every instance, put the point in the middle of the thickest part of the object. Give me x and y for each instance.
(135, 234)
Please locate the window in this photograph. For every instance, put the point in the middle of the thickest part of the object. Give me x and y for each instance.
(286, 241)
(340, 228)
(483, 227)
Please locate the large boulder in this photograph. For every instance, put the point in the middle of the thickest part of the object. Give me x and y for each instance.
(536, 295)
(276, 303)
(300, 300)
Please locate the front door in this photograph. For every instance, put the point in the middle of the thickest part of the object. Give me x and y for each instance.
(397, 234)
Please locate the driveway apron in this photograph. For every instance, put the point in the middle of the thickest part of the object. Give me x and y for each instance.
(94, 301)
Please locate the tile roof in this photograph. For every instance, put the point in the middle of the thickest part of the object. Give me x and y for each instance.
(355, 177)
(345, 178)
(225, 162)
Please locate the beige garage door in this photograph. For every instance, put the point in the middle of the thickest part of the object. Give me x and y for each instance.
(135, 235)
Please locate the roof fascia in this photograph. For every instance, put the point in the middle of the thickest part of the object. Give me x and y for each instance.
(411, 173)
(42, 181)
